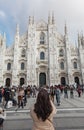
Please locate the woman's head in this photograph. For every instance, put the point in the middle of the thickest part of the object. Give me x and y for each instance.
(43, 96)
(43, 106)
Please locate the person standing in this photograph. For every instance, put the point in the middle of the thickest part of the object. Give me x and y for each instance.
(2, 117)
(79, 91)
(20, 97)
(65, 92)
(52, 93)
(71, 92)
(43, 112)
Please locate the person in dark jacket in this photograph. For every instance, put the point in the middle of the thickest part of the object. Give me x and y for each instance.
(57, 92)
(6, 96)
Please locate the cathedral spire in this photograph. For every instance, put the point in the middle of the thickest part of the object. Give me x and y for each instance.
(65, 29)
(49, 18)
(17, 29)
(29, 19)
(82, 38)
(78, 37)
(17, 34)
(4, 37)
(82, 34)
(32, 19)
(53, 19)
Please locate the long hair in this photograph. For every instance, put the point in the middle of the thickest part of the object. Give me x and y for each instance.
(43, 107)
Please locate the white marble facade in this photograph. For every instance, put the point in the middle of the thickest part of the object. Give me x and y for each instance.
(41, 56)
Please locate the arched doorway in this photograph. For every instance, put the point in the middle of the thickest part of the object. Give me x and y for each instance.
(42, 79)
(63, 81)
(76, 79)
(8, 82)
(21, 81)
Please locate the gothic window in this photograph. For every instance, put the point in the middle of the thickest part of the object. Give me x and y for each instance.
(22, 66)
(42, 38)
(61, 52)
(63, 81)
(62, 65)
(75, 65)
(9, 66)
(23, 53)
(42, 56)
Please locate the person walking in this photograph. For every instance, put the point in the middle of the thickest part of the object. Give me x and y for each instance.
(57, 92)
(43, 112)
(6, 95)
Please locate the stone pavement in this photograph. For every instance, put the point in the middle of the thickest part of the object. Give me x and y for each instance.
(70, 115)
(68, 107)
(76, 102)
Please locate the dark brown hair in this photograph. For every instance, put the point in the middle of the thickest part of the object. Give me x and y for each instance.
(43, 107)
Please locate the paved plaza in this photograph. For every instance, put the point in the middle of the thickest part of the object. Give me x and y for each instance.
(67, 106)
(70, 115)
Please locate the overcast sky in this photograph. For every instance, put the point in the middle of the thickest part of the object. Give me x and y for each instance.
(18, 11)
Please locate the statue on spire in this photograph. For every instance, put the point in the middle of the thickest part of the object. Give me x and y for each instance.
(65, 29)
(49, 18)
(53, 20)
(17, 29)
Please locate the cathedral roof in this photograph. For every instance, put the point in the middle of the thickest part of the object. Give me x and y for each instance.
(41, 25)
(9, 51)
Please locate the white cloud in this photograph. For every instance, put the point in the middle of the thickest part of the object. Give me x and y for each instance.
(18, 11)
(2, 14)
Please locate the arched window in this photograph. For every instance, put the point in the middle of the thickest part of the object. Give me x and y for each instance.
(8, 82)
(76, 79)
(22, 80)
(9, 66)
(62, 65)
(23, 53)
(42, 55)
(61, 52)
(42, 38)
(22, 66)
(75, 65)
(63, 81)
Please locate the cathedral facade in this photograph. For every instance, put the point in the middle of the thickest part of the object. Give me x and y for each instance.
(41, 56)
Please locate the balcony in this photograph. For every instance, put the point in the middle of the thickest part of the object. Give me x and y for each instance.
(22, 71)
(42, 46)
(62, 72)
(7, 72)
(76, 71)
(41, 62)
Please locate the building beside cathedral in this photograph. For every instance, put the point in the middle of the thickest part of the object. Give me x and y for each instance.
(41, 56)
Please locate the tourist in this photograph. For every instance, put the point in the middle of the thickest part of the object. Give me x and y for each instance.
(43, 112)
(2, 117)
(57, 92)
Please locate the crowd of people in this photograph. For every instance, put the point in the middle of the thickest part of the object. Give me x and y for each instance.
(44, 108)
(18, 95)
